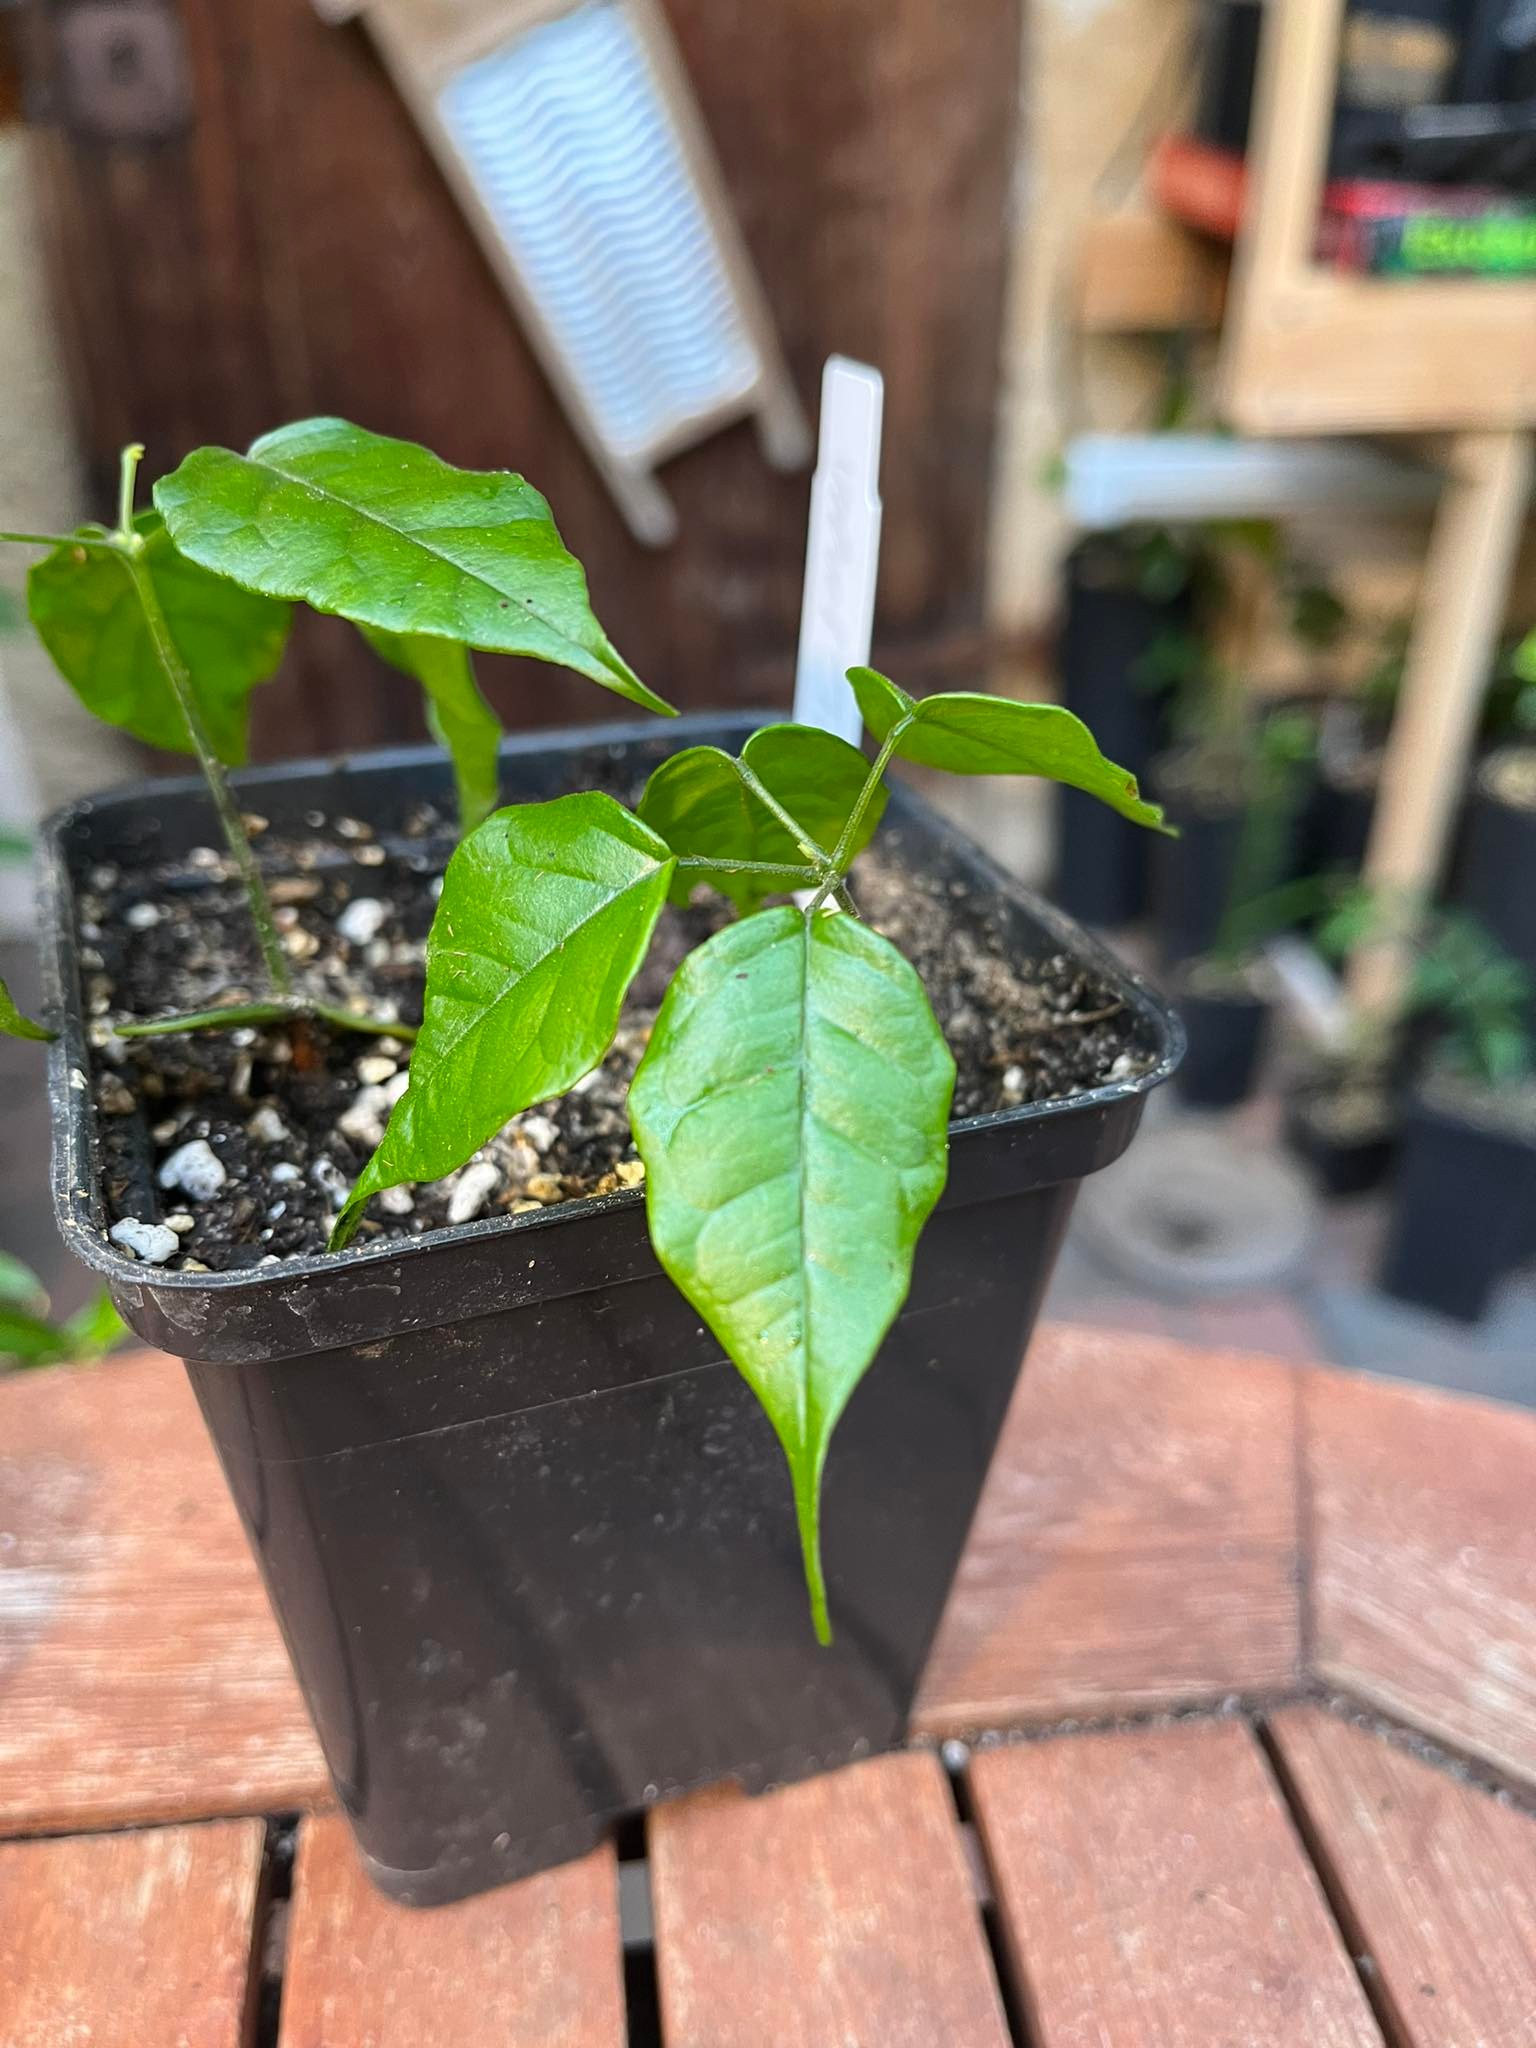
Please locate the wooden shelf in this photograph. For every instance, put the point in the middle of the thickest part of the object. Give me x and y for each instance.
(1142, 273)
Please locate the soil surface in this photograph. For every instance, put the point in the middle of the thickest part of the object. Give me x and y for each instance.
(242, 1144)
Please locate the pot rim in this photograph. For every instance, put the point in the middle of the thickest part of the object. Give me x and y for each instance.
(77, 1204)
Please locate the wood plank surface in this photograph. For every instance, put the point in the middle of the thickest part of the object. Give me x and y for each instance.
(1423, 1578)
(840, 1910)
(141, 1673)
(534, 1965)
(129, 1940)
(1437, 1879)
(1137, 1542)
(1154, 1895)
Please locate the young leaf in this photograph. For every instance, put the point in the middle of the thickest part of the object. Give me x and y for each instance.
(89, 618)
(459, 717)
(15, 1025)
(969, 734)
(28, 1340)
(386, 534)
(702, 805)
(545, 915)
(92, 1331)
(791, 1111)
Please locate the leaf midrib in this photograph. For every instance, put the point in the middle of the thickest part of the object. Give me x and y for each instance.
(474, 575)
(484, 1017)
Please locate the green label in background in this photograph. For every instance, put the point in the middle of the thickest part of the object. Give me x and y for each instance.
(1436, 244)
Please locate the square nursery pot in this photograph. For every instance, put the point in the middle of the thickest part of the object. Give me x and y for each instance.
(526, 1531)
(1463, 1208)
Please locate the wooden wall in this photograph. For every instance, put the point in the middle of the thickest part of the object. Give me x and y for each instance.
(292, 250)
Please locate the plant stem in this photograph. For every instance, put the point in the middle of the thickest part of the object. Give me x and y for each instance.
(269, 1012)
(813, 853)
(61, 540)
(131, 552)
(808, 1519)
(842, 852)
(127, 476)
(753, 867)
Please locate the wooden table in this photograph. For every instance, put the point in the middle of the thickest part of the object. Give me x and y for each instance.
(1244, 1656)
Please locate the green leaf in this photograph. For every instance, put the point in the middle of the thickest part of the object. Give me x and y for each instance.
(92, 1331)
(89, 618)
(701, 805)
(20, 1286)
(386, 534)
(965, 733)
(545, 915)
(791, 1111)
(28, 1340)
(459, 717)
(1523, 661)
(15, 1025)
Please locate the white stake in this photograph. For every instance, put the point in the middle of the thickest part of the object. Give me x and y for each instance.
(843, 548)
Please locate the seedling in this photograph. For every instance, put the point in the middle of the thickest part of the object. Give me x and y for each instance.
(792, 1106)
(31, 1335)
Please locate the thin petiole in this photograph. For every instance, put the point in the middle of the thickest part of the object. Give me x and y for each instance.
(61, 540)
(815, 854)
(223, 1016)
(128, 473)
(842, 852)
(754, 867)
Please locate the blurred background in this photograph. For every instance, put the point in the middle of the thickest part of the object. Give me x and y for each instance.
(1209, 346)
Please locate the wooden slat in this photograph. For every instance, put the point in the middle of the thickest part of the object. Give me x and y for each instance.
(839, 1910)
(534, 1965)
(1154, 1895)
(1437, 1880)
(130, 1940)
(1137, 1542)
(141, 1674)
(1424, 1559)
(1141, 273)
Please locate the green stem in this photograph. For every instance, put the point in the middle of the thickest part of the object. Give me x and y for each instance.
(221, 1017)
(130, 549)
(127, 476)
(753, 867)
(842, 853)
(815, 854)
(60, 540)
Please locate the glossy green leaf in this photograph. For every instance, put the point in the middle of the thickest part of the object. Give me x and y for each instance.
(545, 916)
(89, 618)
(791, 1111)
(388, 535)
(965, 733)
(701, 805)
(458, 716)
(15, 1025)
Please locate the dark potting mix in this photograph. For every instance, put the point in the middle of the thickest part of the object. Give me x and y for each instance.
(223, 1150)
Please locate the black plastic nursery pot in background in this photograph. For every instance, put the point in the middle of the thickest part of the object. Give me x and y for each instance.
(1346, 1136)
(1110, 628)
(1463, 1208)
(1498, 869)
(1226, 1030)
(527, 1532)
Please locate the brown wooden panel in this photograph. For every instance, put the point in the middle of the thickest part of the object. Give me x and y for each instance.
(129, 1941)
(1437, 1880)
(296, 251)
(837, 1910)
(141, 1674)
(1137, 1541)
(1154, 1895)
(534, 1965)
(1424, 1559)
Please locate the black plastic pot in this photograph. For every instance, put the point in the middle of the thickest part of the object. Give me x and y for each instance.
(1342, 1165)
(526, 1531)
(1226, 1040)
(1109, 628)
(1463, 1206)
(1498, 870)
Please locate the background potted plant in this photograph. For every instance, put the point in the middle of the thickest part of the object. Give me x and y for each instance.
(1496, 881)
(517, 1495)
(1464, 1196)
